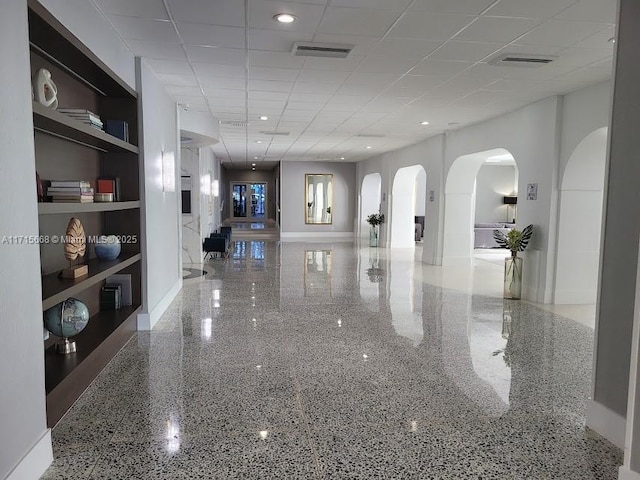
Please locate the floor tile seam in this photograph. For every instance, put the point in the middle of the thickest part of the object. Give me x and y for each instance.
(305, 425)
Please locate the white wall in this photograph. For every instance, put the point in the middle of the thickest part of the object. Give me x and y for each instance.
(293, 204)
(404, 198)
(421, 193)
(191, 222)
(493, 182)
(22, 395)
(370, 199)
(161, 215)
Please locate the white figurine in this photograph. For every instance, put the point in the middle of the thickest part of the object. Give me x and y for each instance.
(45, 91)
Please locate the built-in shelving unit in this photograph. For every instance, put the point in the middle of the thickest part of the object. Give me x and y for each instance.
(67, 149)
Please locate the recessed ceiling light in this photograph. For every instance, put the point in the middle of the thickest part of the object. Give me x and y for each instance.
(341, 158)
(284, 18)
(612, 40)
(368, 147)
(264, 117)
(258, 141)
(424, 123)
(255, 158)
(253, 164)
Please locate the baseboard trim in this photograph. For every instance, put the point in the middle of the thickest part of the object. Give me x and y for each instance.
(147, 320)
(607, 423)
(316, 235)
(36, 461)
(625, 474)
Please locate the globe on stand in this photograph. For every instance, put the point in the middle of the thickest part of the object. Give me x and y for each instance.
(65, 320)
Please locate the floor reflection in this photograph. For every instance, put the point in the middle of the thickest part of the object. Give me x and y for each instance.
(327, 361)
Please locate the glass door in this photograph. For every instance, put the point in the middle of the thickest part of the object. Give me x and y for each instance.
(249, 200)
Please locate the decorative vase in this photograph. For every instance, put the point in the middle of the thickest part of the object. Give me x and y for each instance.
(108, 247)
(373, 236)
(513, 278)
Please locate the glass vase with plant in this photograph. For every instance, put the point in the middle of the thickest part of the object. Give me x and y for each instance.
(375, 219)
(516, 241)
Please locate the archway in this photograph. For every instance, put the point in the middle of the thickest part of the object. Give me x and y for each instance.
(403, 205)
(460, 203)
(370, 197)
(580, 221)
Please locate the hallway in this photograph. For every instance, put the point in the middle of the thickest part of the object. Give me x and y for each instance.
(329, 361)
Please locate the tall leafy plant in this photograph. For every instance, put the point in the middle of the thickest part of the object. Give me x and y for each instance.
(375, 219)
(515, 240)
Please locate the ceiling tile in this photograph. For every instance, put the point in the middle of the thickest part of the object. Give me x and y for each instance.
(140, 8)
(387, 64)
(472, 7)
(386, 104)
(431, 26)
(133, 28)
(309, 97)
(348, 64)
(264, 105)
(274, 59)
(209, 69)
(417, 84)
(591, 11)
(440, 67)
(219, 102)
(211, 12)
(169, 66)
(189, 99)
(222, 56)
(315, 88)
(310, 106)
(464, 51)
(264, 73)
(599, 40)
(276, 41)
(323, 76)
(261, 95)
(210, 83)
(261, 13)
(406, 47)
(182, 91)
(496, 29)
(357, 21)
(270, 86)
(225, 93)
(398, 5)
(161, 50)
(207, 35)
(528, 9)
(561, 33)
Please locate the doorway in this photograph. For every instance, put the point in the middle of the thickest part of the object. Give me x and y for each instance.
(249, 200)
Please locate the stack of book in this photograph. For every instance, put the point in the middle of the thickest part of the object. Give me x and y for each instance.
(85, 116)
(70, 191)
(111, 297)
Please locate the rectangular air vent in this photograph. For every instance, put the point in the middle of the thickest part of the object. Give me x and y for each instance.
(234, 123)
(331, 50)
(370, 135)
(276, 133)
(522, 60)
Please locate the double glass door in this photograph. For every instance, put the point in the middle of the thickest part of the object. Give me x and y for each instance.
(249, 200)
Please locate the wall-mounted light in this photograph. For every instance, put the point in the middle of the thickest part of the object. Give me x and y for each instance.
(216, 188)
(168, 172)
(205, 184)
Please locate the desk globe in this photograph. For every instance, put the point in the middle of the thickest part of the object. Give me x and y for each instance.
(65, 320)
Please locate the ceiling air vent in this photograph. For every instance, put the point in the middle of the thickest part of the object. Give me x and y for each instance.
(370, 135)
(521, 60)
(332, 50)
(282, 134)
(234, 123)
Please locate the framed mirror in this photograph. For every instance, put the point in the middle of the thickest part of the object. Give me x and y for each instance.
(319, 198)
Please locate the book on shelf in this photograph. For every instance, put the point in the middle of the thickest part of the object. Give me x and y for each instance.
(86, 118)
(70, 183)
(111, 297)
(124, 280)
(117, 128)
(69, 191)
(109, 185)
(73, 200)
(76, 110)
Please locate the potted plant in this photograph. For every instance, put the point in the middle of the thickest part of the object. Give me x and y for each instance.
(375, 219)
(516, 241)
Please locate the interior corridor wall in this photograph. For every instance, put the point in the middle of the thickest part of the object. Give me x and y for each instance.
(22, 395)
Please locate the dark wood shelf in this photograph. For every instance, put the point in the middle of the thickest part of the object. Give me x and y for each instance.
(56, 290)
(55, 208)
(55, 123)
(67, 376)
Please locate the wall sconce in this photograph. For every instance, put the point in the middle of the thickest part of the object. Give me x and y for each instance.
(205, 184)
(216, 188)
(168, 172)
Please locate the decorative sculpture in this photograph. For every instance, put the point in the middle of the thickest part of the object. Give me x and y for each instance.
(75, 246)
(44, 90)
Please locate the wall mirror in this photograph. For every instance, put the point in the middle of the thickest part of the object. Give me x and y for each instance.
(319, 198)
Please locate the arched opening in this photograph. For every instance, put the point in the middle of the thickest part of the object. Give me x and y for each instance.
(475, 203)
(370, 198)
(580, 221)
(406, 194)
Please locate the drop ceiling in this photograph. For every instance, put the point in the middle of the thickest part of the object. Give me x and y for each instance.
(413, 61)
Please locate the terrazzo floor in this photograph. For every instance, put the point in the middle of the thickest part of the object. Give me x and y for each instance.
(330, 361)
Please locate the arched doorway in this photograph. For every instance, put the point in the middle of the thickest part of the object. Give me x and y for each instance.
(404, 197)
(460, 203)
(580, 221)
(370, 198)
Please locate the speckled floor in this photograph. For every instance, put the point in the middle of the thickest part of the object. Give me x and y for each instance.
(326, 361)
